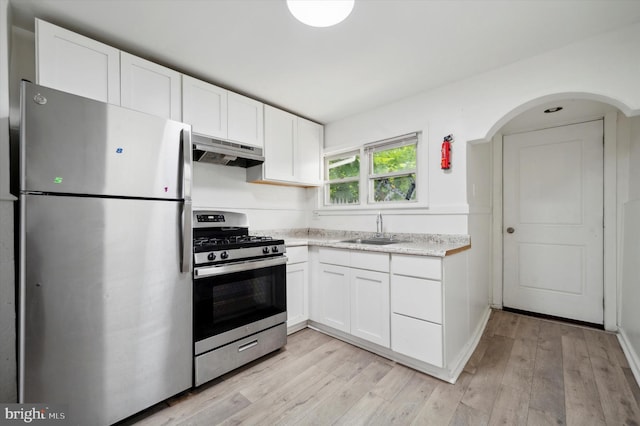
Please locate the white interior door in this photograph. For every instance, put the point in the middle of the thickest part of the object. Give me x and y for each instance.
(553, 221)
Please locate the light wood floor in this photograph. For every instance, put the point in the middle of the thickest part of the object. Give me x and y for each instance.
(525, 371)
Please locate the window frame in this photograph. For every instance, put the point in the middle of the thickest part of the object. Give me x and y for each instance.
(366, 178)
(385, 145)
(327, 182)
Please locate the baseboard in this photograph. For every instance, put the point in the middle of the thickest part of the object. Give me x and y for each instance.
(630, 353)
(447, 374)
(296, 327)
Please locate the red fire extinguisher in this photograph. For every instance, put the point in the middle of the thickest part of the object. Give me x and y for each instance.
(445, 162)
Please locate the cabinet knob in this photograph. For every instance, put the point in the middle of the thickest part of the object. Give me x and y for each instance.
(510, 230)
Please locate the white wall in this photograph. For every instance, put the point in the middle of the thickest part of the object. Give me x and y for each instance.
(601, 68)
(267, 206)
(630, 282)
(479, 184)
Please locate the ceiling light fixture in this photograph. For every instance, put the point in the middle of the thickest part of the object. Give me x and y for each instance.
(552, 110)
(320, 13)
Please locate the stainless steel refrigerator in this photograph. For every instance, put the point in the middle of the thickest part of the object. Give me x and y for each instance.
(105, 257)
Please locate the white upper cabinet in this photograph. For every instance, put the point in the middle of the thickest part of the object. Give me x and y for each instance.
(280, 135)
(149, 87)
(245, 120)
(204, 106)
(220, 114)
(292, 150)
(76, 64)
(309, 147)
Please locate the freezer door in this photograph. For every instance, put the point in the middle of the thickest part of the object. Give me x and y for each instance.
(74, 145)
(106, 319)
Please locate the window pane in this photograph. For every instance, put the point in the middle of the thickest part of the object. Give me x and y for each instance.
(397, 188)
(344, 167)
(395, 159)
(344, 193)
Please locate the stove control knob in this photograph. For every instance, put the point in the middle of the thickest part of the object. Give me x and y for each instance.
(211, 256)
(265, 250)
(274, 249)
(224, 255)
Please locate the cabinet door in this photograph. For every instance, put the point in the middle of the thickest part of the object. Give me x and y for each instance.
(308, 152)
(76, 64)
(333, 297)
(149, 87)
(245, 120)
(279, 137)
(370, 306)
(204, 106)
(297, 276)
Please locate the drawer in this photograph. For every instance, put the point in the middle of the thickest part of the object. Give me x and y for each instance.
(417, 298)
(215, 363)
(334, 256)
(297, 254)
(370, 261)
(417, 266)
(417, 339)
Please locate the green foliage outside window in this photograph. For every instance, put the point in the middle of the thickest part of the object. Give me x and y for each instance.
(399, 188)
(350, 167)
(345, 192)
(391, 175)
(394, 160)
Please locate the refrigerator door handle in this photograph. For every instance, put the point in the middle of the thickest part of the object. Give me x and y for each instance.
(187, 239)
(187, 242)
(187, 163)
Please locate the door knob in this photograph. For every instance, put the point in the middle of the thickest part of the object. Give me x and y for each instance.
(510, 230)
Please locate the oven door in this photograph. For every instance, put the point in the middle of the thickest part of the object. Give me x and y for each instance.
(235, 300)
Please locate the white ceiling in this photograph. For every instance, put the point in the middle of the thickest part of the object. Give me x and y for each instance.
(385, 50)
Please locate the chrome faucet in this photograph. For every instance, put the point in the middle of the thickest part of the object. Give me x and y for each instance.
(379, 225)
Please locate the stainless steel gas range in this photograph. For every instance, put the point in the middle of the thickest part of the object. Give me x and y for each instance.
(239, 294)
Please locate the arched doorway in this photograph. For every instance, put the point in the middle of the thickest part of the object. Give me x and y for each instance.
(533, 119)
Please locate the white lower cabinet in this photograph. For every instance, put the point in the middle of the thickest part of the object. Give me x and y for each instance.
(333, 294)
(416, 309)
(355, 300)
(416, 306)
(297, 288)
(370, 306)
(418, 339)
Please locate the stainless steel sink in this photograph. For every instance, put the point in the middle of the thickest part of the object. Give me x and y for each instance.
(376, 240)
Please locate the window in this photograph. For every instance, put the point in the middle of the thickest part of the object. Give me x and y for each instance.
(342, 185)
(392, 170)
(389, 175)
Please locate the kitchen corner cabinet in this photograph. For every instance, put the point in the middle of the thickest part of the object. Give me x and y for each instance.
(149, 87)
(292, 150)
(353, 293)
(297, 288)
(220, 114)
(420, 311)
(76, 64)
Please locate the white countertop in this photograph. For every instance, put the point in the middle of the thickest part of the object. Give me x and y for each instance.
(413, 244)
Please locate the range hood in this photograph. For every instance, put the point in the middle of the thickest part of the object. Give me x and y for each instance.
(208, 150)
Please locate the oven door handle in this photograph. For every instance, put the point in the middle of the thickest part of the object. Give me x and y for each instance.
(211, 271)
